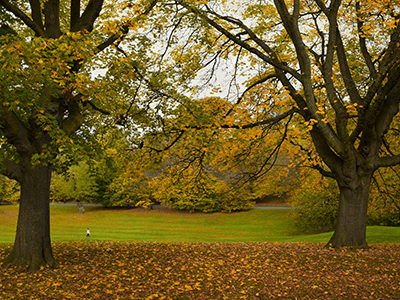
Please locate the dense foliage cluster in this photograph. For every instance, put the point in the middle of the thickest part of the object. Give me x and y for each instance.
(115, 270)
(316, 209)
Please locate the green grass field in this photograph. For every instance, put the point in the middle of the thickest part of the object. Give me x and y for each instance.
(166, 225)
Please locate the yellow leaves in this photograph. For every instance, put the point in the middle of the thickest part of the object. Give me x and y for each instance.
(351, 108)
(310, 124)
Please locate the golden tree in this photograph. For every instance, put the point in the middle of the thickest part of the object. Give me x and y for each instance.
(330, 68)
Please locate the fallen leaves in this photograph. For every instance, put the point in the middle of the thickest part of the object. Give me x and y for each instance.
(122, 270)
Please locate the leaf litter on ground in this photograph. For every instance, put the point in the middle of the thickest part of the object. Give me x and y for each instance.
(145, 270)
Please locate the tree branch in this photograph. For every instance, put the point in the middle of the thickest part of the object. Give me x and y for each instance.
(90, 14)
(12, 170)
(272, 59)
(113, 38)
(170, 145)
(363, 45)
(103, 111)
(388, 161)
(75, 117)
(75, 12)
(37, 28)
(15, 131)
(259, 81)
(36, 13)
(52, 18)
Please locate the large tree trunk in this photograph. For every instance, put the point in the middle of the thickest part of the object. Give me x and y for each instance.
(352, 217)
(32, 245)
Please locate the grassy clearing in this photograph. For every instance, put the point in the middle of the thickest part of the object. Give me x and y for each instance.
(165, 225)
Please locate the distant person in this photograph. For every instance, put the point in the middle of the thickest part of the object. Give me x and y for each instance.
(87, 233)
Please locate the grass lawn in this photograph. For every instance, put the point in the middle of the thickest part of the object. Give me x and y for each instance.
(166, 225)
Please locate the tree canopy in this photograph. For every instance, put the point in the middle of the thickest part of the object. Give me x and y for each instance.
(50, 95)
(324, 75)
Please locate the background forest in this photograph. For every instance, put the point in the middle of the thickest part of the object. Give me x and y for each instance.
(113, 174)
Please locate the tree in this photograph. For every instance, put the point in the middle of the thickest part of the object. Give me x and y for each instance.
(47, 93)
(77, 184)
(209, 169)
(330, 68)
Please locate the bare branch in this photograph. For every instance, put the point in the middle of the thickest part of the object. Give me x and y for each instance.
(388, 161)
(271, 59)
(259, 81)
(171, 144)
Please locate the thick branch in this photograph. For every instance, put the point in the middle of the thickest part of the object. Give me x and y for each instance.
(15, 131)
(327, 69)
(75, 117)
(389, 109)
(12, 170)
(36, 13)
(388, 161)
(75, 12)
(345, 71)
(330, 158)
(52, 18)
(112, 39)
(292, 27)
(23, 17)
(86, 21)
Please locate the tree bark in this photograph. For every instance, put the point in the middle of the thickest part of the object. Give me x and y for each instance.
(32, 247)
(352, 216)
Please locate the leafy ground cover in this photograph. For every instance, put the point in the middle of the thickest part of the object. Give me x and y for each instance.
(147, 270)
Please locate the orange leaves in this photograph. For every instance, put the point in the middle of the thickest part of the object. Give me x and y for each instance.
(190, 271)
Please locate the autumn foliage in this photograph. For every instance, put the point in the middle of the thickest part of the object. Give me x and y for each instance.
(120, 270)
